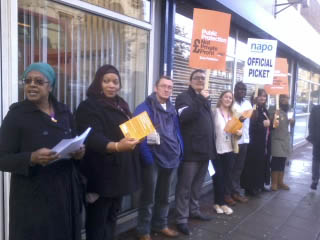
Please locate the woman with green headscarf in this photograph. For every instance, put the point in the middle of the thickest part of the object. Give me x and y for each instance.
(45, 194)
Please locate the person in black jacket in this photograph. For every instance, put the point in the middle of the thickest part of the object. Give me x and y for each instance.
(256, 166)
(111, 163)
(314, 138)
(197, 128)
(45, 196)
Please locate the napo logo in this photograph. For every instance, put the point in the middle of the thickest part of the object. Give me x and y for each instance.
(260, 48)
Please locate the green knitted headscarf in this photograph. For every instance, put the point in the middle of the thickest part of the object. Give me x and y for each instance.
(43, 68)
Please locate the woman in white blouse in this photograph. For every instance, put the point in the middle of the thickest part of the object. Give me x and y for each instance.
(224, 145)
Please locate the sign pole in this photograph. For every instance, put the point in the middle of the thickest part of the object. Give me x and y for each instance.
(255, 97)
(277, 102)
(206, 83)
(276, 113)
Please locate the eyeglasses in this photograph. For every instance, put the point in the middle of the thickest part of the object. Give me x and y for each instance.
(198, 78)
(36, 81)
(166, 87)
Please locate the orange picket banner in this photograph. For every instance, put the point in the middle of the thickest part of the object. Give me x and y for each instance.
(280, 80)
(209, 39)
(233, 125)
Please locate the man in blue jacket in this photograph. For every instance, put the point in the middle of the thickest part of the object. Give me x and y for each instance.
(161, 153)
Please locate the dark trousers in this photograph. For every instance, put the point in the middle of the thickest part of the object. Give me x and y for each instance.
(101, 218)
(191, 176)
(222, 182)
(238, 168)
(154, 198)
(315, 164)
(278, 164)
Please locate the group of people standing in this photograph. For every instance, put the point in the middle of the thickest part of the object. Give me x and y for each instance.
(47, 192)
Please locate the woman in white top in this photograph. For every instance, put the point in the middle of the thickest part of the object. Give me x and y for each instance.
(224, 145)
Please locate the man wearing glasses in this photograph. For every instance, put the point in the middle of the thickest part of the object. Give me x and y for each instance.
(197, 128)
(161, 153)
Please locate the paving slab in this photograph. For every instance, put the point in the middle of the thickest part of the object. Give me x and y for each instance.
(280, 215)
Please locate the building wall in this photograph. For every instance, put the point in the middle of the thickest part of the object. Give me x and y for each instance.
(312, 14)
(302, 38)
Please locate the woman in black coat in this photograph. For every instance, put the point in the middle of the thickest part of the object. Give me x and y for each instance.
(111, 163)
(256, 165)
(45, 196)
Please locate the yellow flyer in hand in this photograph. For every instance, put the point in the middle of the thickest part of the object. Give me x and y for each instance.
(138, 127)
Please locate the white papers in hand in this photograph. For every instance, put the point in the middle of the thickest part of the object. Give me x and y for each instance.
(67, 146)
(211, 169)
(290, 115)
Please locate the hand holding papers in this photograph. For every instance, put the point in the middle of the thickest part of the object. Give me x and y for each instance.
(67, 146)
(138, 127)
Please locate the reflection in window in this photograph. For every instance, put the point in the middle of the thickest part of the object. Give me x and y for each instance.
(304, 74)
(76, 44)
(300, 129)
(139, 9)
(184, 26)
(231, 46)
(241, 50)
(314, 95)
(302, 97)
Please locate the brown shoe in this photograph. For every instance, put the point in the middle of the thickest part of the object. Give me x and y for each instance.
(145, 237)
(239, 198)
(169, 232)
(229, 201)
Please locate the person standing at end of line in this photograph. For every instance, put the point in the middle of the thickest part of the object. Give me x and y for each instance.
(280, 143)
(46, 192)
(314, 138)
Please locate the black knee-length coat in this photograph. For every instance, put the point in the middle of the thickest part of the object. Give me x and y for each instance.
(111, 175)
(45, 202)
(256, 168)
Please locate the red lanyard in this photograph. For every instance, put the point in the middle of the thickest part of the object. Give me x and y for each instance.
(223, 116)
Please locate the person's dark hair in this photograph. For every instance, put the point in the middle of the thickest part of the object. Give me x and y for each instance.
(236, 93)
(239, 84)
(260, 92)
(196, 71)
(220, 99)
(95, 87)
(163, 77)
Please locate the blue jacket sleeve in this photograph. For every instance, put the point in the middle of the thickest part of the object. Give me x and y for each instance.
(145, 151)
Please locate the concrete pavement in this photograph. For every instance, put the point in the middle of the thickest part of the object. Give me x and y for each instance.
(281, 215)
